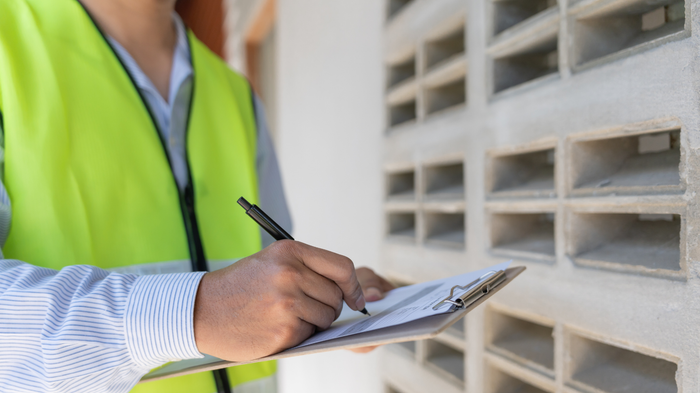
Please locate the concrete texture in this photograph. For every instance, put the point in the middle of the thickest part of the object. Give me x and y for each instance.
(579, 138)
(576, 127)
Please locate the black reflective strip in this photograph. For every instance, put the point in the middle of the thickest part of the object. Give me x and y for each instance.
(186, 199)
(189, 190)
(196, 251)
(255, 108)
(220, 376)
(221, 380)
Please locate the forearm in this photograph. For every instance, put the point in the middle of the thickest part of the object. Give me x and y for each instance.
(84, 329)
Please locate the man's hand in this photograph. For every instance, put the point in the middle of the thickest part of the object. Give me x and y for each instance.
(272, 300)
(373, 287)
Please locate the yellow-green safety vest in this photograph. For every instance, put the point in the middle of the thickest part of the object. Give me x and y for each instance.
(87, 173)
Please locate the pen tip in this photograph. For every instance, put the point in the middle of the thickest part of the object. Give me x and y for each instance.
(364, 311)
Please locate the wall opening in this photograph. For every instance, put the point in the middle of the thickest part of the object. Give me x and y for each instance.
(649, 241)
(444, 48)
(525, 65)
(607, 368)
(631, 24)
(396, 6)
(526, 234)
(646, 163)
(407, 348)
(402, 225)
(527, 343)
(401, 72)
(446, 96)
(445, 360)
(525, 174)
(401, 186)
(509, 13)
(402, 113)
(444, 182)
(445, 229)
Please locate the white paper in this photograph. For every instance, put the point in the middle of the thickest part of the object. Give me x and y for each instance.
(399, 306)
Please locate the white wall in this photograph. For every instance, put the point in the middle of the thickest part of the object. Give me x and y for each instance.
(330, 142)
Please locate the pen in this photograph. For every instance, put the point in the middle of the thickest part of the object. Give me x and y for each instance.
(269, 225)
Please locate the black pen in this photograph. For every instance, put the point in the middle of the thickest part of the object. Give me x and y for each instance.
(269, 225)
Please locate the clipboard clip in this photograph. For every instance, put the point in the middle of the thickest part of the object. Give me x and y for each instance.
(492, 280)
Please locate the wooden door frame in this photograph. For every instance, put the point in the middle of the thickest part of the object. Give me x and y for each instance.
(259, 29)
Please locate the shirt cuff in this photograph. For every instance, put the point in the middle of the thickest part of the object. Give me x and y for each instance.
(159, 319)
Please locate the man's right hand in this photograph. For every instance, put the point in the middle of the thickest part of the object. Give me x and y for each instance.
(272, 300)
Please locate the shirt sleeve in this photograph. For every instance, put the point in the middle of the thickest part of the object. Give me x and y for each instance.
(270, 187)
(83, 329)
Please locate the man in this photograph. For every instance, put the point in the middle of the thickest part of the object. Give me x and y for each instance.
(126, 144)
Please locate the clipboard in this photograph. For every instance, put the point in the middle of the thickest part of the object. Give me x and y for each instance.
(420, 329)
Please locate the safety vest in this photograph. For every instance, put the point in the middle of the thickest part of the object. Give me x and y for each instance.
(87, 172)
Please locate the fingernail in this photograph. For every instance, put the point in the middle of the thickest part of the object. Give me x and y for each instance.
(373, 294)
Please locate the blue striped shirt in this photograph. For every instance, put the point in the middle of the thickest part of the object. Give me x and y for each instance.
(84, 329)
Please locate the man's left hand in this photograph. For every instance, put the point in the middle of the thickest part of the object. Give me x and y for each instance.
(373, 287)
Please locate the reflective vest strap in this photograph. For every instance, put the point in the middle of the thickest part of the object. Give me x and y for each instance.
(199, 383)
(168, 267)
(243, 374)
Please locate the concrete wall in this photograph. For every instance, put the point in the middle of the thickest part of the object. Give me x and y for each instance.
(562, 135)
(562, 101)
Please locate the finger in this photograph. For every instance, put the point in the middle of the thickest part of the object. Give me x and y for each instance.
(300, 331)
(322, 289)
(373, 285)
(367, 277)
(335, 267)
(314, 312)
(364, 349)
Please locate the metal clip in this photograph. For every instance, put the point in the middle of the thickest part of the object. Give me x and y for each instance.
(493, 279)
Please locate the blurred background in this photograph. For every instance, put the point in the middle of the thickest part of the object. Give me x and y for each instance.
(427, 138)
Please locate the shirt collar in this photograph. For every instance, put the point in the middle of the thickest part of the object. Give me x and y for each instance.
(181, 68)
(182, 61)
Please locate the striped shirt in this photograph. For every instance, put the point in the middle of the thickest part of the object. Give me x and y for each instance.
(84, 329)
